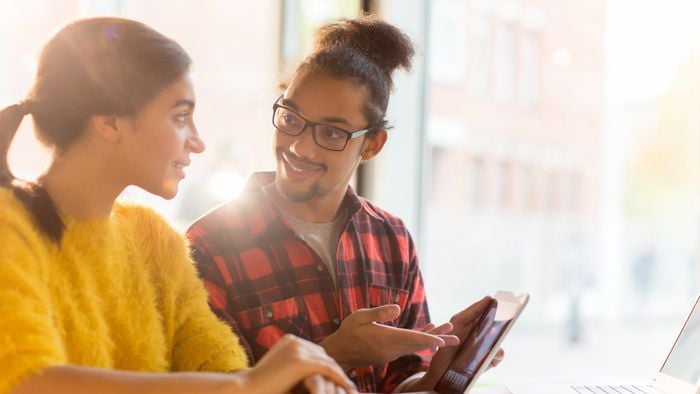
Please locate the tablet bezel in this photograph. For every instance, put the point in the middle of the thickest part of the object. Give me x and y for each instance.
(521, 299)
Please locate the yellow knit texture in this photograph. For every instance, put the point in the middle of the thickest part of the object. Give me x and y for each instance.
(118, 293)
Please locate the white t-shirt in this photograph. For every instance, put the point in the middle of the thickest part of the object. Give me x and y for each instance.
(321, 237)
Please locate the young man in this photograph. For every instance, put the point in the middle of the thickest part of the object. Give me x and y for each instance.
(299, 252)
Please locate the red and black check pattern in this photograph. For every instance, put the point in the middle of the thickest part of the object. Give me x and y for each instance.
(265, 282)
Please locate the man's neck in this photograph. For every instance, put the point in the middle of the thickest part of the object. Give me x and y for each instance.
(322, 209)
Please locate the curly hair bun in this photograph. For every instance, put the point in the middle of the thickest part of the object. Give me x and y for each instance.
(384, 44)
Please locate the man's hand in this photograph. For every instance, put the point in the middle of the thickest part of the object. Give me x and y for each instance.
(362, 340)
(497, 358)
(463, 322)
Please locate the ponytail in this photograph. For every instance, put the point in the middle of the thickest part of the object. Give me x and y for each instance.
(10, 118)
(32, 196)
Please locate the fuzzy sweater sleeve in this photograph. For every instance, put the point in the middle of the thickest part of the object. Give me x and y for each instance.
(200, 341)
(29, 341)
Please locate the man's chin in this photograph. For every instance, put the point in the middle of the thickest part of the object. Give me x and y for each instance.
(298, 195)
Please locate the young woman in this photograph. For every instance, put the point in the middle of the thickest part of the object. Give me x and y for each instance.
(100, 296)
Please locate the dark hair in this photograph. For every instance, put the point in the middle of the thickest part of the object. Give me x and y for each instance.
(96, 66)
(367, 51)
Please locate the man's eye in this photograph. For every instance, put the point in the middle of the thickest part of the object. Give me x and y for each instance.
(288, 118)
(330, 132)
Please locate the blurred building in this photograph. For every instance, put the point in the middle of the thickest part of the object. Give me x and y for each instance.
(516, 97)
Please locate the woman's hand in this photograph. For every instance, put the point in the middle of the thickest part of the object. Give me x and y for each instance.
(316, 384)
(293, 360)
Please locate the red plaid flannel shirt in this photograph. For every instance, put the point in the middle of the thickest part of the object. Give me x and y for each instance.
(264, 281)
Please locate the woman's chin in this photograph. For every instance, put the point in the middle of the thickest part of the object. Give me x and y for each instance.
(169, 194)
(167, 190)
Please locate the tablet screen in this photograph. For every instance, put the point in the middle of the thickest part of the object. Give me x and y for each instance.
(475, 351)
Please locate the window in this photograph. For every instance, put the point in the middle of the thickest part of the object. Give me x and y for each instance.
(505, 185)
(481, 59)
(528, 189)
(529, 69)
(505, 59)
(477, 184)
(448, 63)
(533, 20)
(301, 17)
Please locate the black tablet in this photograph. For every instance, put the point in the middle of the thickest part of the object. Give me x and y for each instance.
(482, 343)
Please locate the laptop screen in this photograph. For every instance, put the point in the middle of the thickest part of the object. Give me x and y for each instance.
(683, 362)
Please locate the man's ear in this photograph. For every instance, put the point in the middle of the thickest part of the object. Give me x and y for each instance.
(373, 145)
(108, 128)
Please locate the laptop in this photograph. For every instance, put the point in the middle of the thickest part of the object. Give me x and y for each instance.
(679, 373)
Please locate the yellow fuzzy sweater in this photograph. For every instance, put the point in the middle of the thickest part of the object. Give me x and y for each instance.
(118, 293)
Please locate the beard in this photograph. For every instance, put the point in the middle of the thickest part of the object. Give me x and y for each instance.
(285, 187)
(288, 193)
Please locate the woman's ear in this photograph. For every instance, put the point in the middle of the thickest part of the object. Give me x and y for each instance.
(373, 145)
(106, 127)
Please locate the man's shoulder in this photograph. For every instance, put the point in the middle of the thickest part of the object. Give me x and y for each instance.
(379, 216)
(237, 213)
(231, 215)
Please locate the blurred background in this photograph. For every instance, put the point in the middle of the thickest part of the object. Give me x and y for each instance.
(546, 146)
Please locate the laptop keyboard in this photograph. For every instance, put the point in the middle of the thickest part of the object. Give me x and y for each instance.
(610, 390)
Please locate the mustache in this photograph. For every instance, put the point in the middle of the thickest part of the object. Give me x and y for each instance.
(300, 159)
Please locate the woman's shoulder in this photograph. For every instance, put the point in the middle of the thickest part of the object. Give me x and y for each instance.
(145, 222)
(134, 212)
(19, 234)
(8, 201)
(153, 235)
(13, 212)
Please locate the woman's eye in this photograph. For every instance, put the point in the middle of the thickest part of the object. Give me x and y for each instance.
(182, 117)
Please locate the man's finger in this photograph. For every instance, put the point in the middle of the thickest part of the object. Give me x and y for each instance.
(471, 313)
(442, 329)
(450, 340)
(497, 358)
(379, 314)
(404, 337)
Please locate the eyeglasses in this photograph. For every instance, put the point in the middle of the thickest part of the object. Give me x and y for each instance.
(326, 136)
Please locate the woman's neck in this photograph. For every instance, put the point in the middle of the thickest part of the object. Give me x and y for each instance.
(80, 186)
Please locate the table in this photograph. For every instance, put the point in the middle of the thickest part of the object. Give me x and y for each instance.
(490, 390)
(478, 390)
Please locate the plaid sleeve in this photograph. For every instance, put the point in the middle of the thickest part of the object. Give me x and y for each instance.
(415, 316)
(215, 277)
